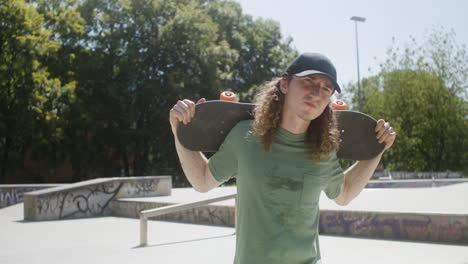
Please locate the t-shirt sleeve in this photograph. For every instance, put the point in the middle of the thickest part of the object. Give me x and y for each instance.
(223, 164)
(333, 188)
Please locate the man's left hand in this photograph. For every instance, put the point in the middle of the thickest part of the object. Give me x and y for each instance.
(384, 133)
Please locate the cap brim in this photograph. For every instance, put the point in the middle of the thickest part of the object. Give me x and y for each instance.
(313, 72)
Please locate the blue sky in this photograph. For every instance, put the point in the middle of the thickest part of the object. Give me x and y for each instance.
(325, 26)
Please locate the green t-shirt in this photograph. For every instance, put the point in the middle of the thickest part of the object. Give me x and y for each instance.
(278, 195)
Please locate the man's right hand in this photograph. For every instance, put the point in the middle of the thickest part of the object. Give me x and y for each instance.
(182, 111)
(194, 163)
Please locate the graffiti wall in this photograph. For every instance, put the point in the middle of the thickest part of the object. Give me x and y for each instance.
(209, 214)
(90, 198)
(420, 175)
(400, 226)
(13, 194)
(414, 183)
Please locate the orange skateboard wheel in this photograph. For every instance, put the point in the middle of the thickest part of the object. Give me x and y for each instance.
(228, 96)
(339, 105)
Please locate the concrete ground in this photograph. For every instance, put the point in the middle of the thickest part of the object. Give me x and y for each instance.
(115, 240)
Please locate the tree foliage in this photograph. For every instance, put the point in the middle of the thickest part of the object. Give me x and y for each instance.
(113, 69)
(32, 101)
(422, 90)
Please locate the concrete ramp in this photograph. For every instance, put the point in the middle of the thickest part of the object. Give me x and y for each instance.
(90, 198)
(429, 214)
(11, 194)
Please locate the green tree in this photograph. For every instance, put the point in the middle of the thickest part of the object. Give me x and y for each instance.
(145, 55)
(421, 90)
(116, 68)
(31, 101)
(262, 53)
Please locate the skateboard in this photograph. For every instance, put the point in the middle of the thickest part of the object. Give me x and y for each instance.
(214, 119)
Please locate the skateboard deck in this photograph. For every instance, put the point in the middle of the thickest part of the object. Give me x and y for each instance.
(214, 119)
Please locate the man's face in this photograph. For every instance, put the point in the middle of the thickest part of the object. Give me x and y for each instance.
(307, 96)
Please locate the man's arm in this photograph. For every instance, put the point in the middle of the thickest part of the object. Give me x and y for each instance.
(357, 176)
(194, 163)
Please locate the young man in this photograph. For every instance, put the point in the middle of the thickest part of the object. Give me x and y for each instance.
(282, 161)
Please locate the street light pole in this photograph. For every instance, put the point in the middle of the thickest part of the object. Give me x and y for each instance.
(358, 19)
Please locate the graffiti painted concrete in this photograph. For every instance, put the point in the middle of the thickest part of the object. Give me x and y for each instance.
(209, 214)
(413, 183)
(90, 198)
(420, 175)
(395, 226)
(114, 197)
(11, 194)
(425, 227)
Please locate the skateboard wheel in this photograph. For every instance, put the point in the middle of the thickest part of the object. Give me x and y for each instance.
(228, 96)
(339, 105)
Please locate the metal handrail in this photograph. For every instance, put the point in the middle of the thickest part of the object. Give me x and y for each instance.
(144, 215)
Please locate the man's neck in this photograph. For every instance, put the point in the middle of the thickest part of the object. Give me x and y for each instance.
(293, 123)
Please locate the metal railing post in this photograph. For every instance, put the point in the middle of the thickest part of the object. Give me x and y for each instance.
(144, 215)
(143, 230)
(235, 215)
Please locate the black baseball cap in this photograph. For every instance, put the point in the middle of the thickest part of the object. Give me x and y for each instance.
(313, 63)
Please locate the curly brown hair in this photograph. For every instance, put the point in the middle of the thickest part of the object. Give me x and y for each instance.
(322, 136)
